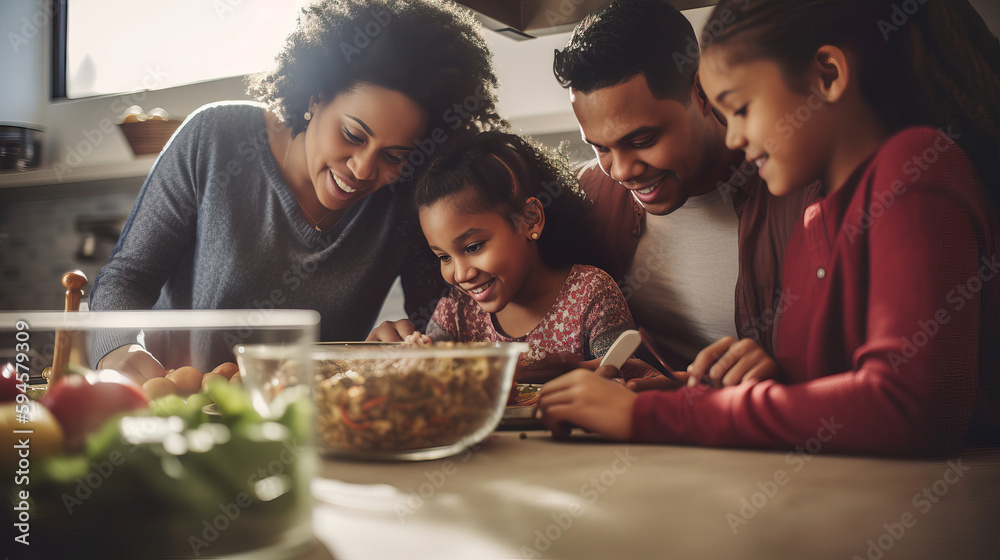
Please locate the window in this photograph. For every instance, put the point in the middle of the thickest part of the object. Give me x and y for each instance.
(118, 46)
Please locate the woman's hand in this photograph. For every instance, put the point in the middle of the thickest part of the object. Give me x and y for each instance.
(134, 362)
(392, 331)
(735, 362)
(590, 400)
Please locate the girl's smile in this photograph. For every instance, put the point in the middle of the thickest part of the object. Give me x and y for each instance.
(480, 252)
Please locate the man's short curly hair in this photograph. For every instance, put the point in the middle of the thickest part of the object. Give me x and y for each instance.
(631, 37)
(429, 50)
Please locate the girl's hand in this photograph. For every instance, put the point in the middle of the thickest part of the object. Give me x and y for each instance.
(551, 366)
(392, 331)
(417, 338)
(590, 400)
(735, 362)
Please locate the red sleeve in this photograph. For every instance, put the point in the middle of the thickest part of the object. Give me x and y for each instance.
(906, 393)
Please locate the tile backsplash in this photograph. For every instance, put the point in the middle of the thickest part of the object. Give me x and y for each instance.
(39, 242)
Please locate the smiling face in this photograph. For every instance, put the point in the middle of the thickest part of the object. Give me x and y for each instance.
(358, 142)
(481, 253)
(657, 148)
(788, 134)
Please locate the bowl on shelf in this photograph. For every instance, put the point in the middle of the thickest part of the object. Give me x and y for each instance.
(148, 136)
(403, 402)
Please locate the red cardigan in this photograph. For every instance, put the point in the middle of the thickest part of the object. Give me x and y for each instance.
(889, 340)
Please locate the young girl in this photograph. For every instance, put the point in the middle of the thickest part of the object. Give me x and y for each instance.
(501, 215)
(891, 346)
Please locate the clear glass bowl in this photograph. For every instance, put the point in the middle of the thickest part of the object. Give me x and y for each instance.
(150, 484)
(397, 402)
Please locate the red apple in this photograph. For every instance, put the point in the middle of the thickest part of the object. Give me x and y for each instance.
(9, 383)
(81, 406)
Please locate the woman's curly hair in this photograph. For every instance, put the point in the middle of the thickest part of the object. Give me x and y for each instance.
(429, 50)
(504, 170)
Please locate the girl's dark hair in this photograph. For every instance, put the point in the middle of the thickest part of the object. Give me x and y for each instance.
(503, 170)
(936, 64)
(429, 50)
(628, 38)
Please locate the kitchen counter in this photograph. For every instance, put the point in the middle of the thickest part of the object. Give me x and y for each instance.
(531, 496)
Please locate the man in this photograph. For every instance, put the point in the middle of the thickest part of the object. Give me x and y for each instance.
(684, 226)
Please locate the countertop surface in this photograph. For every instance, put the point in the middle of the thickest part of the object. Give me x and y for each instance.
(525, 495)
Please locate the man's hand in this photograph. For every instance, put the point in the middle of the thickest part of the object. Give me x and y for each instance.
(134, 362)
(392, 331)
(735, 362)
(590, 400)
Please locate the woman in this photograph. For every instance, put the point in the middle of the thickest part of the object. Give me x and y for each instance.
(281, 204)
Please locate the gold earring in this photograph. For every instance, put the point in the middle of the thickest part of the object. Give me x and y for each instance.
(307, 116)
(534, 236)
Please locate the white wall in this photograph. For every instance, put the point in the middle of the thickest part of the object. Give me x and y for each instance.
(24, 27)
(82, 132)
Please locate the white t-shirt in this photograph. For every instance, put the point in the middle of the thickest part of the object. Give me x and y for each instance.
(683, 275)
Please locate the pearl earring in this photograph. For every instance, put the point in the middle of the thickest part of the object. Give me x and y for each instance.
(307, 116)
(534, 236)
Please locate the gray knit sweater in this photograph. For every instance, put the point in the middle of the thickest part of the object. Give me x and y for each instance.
(215, 226)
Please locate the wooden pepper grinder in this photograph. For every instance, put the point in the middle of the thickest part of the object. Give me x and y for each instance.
(73, 281)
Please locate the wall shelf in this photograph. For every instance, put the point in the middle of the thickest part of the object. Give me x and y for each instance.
(46, 183)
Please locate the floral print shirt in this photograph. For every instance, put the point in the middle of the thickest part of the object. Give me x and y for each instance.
(586, 318)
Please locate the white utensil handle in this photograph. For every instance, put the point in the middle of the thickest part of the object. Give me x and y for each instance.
(622, 349)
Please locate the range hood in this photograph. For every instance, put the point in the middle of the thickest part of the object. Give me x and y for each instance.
(526, 19)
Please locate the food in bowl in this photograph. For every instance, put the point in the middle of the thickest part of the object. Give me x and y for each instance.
(410, 402)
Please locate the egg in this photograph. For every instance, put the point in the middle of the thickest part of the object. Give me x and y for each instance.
(209, 377)
(158, 387)
(227, 369)
(187, 378)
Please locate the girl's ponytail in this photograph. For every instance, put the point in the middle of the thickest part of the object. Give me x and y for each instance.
(957, 81)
